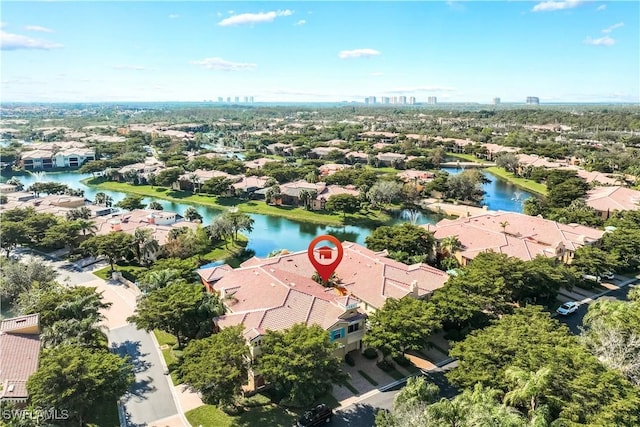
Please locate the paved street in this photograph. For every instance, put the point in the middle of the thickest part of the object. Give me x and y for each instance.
(363, 412)
(150, 397)
(574, 321)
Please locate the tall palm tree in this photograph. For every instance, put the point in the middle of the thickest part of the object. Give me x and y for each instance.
(86, 225)
(145, 244)
(529, 387)
(84, 332)
(449, 245)
(504, 225)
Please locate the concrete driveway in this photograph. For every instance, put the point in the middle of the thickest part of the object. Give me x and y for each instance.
(150, 398)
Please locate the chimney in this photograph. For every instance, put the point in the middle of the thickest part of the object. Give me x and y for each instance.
(414, 288)
(223, 293)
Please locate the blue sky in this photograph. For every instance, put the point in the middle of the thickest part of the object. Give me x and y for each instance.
(459, 51)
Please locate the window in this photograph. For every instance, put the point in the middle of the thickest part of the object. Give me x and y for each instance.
(337, 334)
(353, 327)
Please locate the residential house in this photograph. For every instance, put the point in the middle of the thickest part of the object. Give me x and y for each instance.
(354, 157)
(494, 150)
(258, 163)
(290, 193)
(331, 168)
(280, 149)
(374, 136)
(516, 235)
(323, 151)
(390, 159)
(193, 180)
(415, 176)
(37, 160)
(159, 222)
(248, 185)
(276, 293)
(20, 352)
(607, 200)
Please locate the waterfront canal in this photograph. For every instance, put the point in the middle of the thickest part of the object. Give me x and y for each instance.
(270, 233)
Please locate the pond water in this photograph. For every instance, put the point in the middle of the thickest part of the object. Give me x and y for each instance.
(269, 233)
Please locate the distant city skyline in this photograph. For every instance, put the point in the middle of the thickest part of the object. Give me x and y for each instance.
(454, 51)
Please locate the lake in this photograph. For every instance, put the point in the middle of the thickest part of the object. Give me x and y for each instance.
(270, 233)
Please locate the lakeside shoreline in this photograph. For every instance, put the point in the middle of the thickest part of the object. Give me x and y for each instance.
(258, 207)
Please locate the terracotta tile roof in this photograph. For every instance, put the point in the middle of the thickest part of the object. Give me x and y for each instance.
(367, 275)
(605, 199)
(20, 322)
(20, 353)
(524, 237)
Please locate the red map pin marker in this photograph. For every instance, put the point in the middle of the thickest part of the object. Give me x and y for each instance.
(325, 259)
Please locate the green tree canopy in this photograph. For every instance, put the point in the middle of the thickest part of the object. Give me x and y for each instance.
(406, 243)
(300, 362)
(181, 309)
(401, 325)
(75, 378)
(115, 246)
(217, 366)
(131, 202)
(345, 203)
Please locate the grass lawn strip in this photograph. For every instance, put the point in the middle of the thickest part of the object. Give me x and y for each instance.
(351, 388)
(247, 206)
(368, 378)
(526, 184)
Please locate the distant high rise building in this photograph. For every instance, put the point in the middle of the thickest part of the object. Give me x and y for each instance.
(228, 99)
(251, 99)
(370, 100)
(412, 100)
(534, 100)
(496, 101)
(246, 99)
(237, 99)
(432, 100)
(385, 100)
(402, 100)
(220, 99)
(394, 100)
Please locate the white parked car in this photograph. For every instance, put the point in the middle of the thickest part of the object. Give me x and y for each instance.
(567, 308)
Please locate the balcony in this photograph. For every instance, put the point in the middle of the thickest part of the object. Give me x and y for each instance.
(355, 336)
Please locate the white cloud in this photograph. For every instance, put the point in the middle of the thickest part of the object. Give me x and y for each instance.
(601, 7)
(38, 29)
(602, 41)
(358, 53)
(222, 65)
(174, 16)
(129, 67)
(551, 5)
(253, 18)
(9, 41)
(613, 27)
(300, 22)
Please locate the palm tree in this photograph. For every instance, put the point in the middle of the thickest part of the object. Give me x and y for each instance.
(154, 205)
(195, 182)
(86, 225)
(272, 194)
(304, 196)
(103, 199)
(15, 181)
(504, 225)
(449, 245)
(84, 332)
(158, 279)
(191, 214)
(530, 387)
(145, 244)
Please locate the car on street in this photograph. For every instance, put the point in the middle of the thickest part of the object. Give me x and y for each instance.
(319, 415)
(567, 308)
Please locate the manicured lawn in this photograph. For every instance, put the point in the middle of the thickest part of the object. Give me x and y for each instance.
(351, 388)
(247, 206)
(467, 157)
(165, 338)
(130, 272)
(208, 416)
(265, 415)
(368, 378)
(526, 184)
(105, 414)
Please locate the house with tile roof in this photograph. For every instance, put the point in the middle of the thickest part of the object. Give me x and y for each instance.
(516, 235)
(20, 352)
(276, 293)
(607, 200)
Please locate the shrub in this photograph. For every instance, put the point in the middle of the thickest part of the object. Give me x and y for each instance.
(370, 353)
(386, 366)
(349, 359)
(402, 361)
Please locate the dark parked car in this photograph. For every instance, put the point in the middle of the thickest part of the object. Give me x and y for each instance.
(316, 416)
